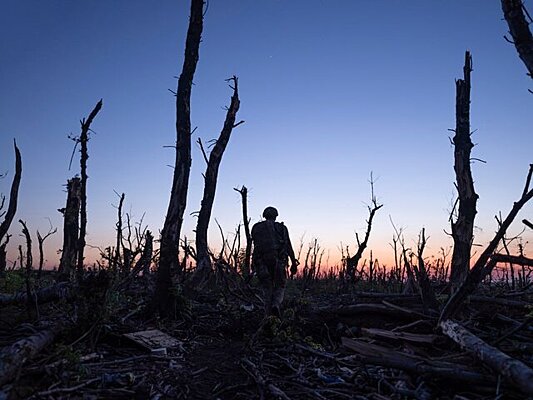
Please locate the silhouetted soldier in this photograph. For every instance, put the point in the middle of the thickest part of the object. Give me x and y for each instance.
(272, 248)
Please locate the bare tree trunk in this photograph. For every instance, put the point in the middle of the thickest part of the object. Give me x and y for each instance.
(483, 267)
(12, 207)
(463, 226)
(71, 227)
(29, 265)
(169, 248)
(203, 266)
(515, 14)
(427, 293)
(116, 261)
(248, 252)
(84, 138)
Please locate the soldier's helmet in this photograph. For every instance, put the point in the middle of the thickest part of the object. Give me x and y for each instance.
(270, 213)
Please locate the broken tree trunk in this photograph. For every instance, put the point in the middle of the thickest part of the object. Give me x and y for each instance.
(14, 356)
(515, 13)
(518, 372)
(482, 266)
(246, 222)
(71, 226)
(203, 266)
(463, 226)
(84, 138)
(170, 235)
(146, 257)
(12, 207)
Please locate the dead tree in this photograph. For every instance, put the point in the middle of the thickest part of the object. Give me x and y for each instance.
(143, 264)
(71, 226)
(83, 139)
(12, 207)
(40, 240)
(352, 262)
(485, 263)
(29, 261)
(116, 260)
(429, 300)
(203, 266)
(246, 222)
(518, 20)
(463, 226)
(170, 235)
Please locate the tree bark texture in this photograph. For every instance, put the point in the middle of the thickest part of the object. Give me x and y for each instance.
(169, 248)
(13, 195)
(515, 13)
(516, 371)
(71, 226)
(203, 266)
(463, 226)
(14, 356)
(84, 138)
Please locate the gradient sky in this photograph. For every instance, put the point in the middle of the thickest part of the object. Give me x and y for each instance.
(330, 91)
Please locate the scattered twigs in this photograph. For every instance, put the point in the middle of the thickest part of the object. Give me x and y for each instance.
(263, 384)
(519, 373)
(512, 331)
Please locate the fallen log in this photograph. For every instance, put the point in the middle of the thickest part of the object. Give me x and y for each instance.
(13, 357)
(403, 336)
(516, 371)
(51, 293)
(382, 356)
(499, 301)
(368, 308)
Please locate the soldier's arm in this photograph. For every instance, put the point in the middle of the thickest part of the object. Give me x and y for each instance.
(290, 250)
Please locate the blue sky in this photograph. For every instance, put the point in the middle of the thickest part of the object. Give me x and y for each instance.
(330, 91)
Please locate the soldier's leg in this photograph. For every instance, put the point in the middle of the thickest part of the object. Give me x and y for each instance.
(278, 291)
(266, 282)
